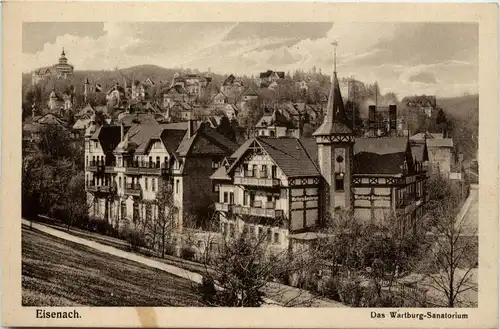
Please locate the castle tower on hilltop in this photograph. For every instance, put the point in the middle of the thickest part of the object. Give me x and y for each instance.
(335, 140)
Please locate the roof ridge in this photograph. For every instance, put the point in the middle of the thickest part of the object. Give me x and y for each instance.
(274, 148)
(308, 155)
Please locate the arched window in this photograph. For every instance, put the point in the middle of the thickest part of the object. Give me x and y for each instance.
(157, 162)
(93, 160)
(153, 187)
(150, 162)
(123, 210)
(120, 182)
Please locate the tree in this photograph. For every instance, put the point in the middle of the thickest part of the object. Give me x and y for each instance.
(225, 128)
(452, 261)
(167, 212)
(74, 201)
(442, 121)
(241, 271)
(367, 260)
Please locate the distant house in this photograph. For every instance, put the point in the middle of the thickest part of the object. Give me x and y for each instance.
(219, 99)
(174, 94)
(116, 95)
(440, 151)
(276, 125)
(268, 77)
(194, 84)
(34, 125)
(250, 94)
(232, 85)
(230, 110)
(138, 92)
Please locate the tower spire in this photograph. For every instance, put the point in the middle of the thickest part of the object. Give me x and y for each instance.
(335, 121)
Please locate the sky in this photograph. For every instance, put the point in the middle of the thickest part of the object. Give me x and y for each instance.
(405, 58)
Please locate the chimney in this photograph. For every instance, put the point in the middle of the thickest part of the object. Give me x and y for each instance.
(392, 118)
(191, 125)
(372, 117)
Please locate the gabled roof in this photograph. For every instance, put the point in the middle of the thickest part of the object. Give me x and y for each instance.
(88, 109)
(108, 136)
(289, 154)
(229, 80)
(250, 92)
(268, 73)
(177, 89)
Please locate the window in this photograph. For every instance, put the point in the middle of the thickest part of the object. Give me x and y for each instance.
(135, 213)
(276, 237)
(149, 212)
(165, 162)
(150, 162)
(261, 232)
(269, 235)
(153, 184)
(157, 162)
(273, 171)
(87, 160)
(254, 171)
(93, 160)
(215, 164)
(96, 145)
(245, 198)
(339, 182)
(120, 182)
(146, 183)
(225, 197)
(269, 198)
(231, 198)
(245, 170)
(272, 133)
(176, 186)
(263, 172)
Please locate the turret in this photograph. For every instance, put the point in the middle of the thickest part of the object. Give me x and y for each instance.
(335, 140)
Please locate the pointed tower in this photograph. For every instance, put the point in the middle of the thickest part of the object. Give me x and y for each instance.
(86, 86)
(335, 140)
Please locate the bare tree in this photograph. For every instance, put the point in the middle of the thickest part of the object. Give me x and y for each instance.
(452, 262)
(166, 214)
(244, 270)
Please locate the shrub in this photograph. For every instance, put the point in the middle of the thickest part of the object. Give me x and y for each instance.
(188, 253)
(170, 249)
(134, 238)
(207, 290)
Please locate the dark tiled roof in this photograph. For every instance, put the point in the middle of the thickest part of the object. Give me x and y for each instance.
(290, 155)
(143, 118)
(381, 146)
(371, 163)
(108, 136)
(380, 155)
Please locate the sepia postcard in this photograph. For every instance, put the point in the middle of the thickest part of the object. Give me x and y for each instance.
(257, 165)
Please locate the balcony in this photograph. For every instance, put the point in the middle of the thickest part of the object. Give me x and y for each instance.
(133, 189)
(100, 167)
(406, 205)
(99, 188)
(143, 168)
(219, 206)
(258, 211)
(256, 181)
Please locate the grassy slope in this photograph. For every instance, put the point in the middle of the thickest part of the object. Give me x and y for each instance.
(60, 273)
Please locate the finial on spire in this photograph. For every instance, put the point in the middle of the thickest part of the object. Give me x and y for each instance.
(334, 44)
(63, 54)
